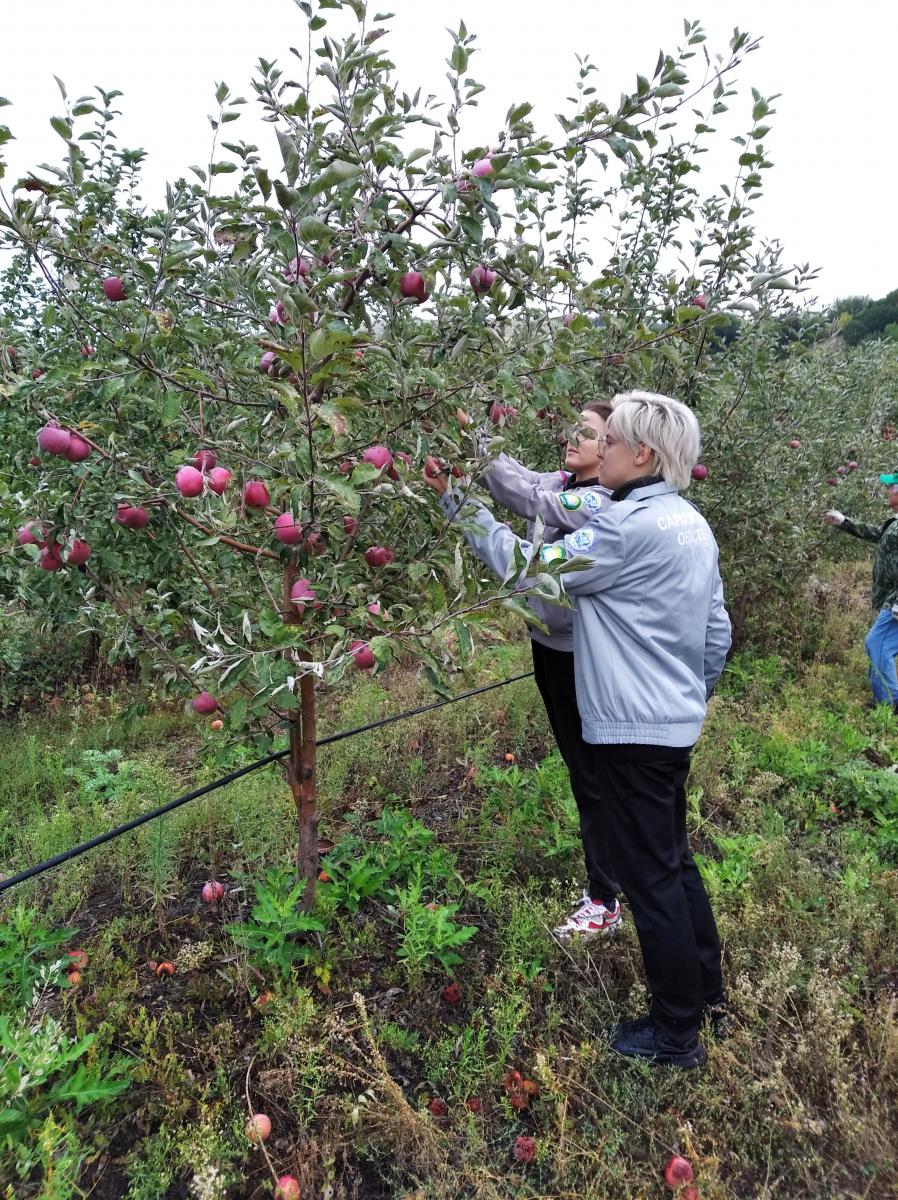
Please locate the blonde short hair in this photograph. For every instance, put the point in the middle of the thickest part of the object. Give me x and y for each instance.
(666, 426)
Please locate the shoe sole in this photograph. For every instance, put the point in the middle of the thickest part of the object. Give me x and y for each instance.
(605, 931)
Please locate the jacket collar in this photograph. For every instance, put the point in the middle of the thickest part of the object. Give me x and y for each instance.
(571, 480)
(631, 485)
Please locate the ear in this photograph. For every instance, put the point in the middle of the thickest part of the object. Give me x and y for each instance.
(644, 454)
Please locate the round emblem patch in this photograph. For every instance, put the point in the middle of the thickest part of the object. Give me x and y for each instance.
(583, 539)
(569, 501)
(553, 553)
(594, 501)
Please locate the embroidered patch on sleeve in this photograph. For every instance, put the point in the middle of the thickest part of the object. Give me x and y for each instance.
(594, 501)
(583, 539)
(554, 552)
(569, 501)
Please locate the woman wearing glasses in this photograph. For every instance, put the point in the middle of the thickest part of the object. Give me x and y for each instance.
(564, 501)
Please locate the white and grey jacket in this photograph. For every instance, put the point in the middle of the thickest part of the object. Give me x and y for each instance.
(651, 632)
(563, 505)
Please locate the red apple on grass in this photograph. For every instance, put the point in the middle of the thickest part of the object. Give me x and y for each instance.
(678, 1172)
(213, 892)
(524, 1149)
(189, 481)
(794, 444)
(438, 1107)
(258, 1128)
(113, 288)
(451, 993)
(287, 1188)
(699, 472)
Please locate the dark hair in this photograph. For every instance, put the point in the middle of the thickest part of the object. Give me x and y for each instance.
(601, 407)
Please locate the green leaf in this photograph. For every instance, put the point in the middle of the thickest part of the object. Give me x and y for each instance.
(62, 127)
(344, 490)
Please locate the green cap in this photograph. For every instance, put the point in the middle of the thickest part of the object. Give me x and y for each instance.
(888, 479)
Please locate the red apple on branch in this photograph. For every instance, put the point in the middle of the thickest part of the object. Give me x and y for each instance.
(113, 288)
(204, 460)
(482, 279)
(189, 481)
(287, 529)
(79, 553)
(130, 516)
(413, 286)
(204, 704)
(256, 494)
(482, 169)
(362, 655)
(219, 478)
(54, 440)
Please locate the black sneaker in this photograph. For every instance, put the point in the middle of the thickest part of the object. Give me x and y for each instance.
(649, 1043)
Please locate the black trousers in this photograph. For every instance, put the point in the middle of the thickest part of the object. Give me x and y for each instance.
(554, 672)
(644, 794)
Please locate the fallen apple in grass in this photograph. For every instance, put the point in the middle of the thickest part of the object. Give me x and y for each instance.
(165, 969)
(524, 1148)
(258, 1128)
(699, 472)
(794, 444)
(287, 1188)
(678, 1171)
(451, 993)
(438, 1107)
(473, 1104)
(78, 959)
(213, 892)
(217, 726)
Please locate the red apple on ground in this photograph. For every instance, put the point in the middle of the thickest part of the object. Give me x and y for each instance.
(852, 466)
(219, 478)
(36, 373)
(79, 553)
(699, 472)
(438, 1107)
(794, 444)
(482, 169)
(413, 286)
(524, 1149)
(473, 1104)
(204, 704)
(678, 1171)
(54, 440)
(832, 481)
(216, 726)
(482, 279)
(362, 655)
(258, 1128)
(113, 288)
(287, 529)
(189, 481)
(204, 460)
(213, 892)
(451, 993)
(79, 959)
(287, 1188)
(255, 494)
(78, 449)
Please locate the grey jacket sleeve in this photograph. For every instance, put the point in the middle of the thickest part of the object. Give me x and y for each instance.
(718, 638)
(603, 548)
(531, 495)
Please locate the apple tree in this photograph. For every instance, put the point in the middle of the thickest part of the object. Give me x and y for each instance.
(215, 411)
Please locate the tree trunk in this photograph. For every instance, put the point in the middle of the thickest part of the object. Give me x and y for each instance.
(301, 773)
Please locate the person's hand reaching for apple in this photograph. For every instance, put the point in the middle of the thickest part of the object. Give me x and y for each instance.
(436, 476)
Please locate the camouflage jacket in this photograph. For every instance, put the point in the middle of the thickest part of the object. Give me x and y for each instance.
(885, 564)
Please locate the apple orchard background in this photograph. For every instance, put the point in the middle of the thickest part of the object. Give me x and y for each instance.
(214, 415)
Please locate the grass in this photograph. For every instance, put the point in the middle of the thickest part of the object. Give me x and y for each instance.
(792, 806)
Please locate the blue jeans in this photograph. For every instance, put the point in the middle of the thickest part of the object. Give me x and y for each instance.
(881, 645)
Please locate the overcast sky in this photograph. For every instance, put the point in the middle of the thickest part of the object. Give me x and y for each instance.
(830, 197)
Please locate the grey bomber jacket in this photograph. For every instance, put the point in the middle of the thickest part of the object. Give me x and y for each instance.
(651, 632)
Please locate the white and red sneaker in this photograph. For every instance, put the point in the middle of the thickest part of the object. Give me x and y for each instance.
(591, 917)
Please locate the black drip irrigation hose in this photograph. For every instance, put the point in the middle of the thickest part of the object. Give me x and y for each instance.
(76, 851)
